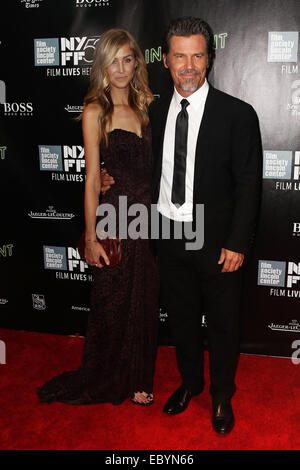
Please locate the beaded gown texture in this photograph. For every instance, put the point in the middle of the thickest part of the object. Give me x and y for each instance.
(121, 337)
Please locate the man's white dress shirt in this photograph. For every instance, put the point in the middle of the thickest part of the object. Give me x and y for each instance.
(195, 112)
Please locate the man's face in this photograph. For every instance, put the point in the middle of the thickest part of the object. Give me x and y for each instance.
(187, 61)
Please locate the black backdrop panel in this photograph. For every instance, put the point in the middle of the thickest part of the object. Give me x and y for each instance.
(46, 51)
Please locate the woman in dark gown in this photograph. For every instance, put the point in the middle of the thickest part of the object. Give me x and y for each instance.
(120, 346)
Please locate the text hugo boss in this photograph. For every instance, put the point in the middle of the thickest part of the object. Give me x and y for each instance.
(18, 107)
(89, 2)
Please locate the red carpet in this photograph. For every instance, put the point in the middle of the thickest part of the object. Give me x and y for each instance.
(266, 405)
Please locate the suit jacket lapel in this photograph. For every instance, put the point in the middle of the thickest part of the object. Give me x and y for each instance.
(204, 137)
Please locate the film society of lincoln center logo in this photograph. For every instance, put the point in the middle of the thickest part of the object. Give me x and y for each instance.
(277, 274)
(283, 46)
(65, 56)
(66, 163)
(66, 263)
(282, 165)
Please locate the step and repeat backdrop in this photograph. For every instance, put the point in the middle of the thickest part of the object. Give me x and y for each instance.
(46, 52)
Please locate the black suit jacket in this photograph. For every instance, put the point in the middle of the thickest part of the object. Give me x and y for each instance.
(228, 162)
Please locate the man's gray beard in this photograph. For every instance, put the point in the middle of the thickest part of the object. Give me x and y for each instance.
(189, 87)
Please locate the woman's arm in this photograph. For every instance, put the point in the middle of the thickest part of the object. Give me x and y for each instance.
(91, 137)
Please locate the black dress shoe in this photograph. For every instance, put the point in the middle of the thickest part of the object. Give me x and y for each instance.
(222, 418)
(178, 402)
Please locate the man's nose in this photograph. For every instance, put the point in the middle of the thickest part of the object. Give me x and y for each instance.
(189, 62)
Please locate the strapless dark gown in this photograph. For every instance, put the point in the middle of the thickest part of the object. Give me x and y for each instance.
(121, 337)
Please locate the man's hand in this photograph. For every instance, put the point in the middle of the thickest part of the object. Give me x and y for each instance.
(232, 260)
(106, 181)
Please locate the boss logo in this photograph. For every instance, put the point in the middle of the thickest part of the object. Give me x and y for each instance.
(85, 3)
(296, 228)
(18, 107)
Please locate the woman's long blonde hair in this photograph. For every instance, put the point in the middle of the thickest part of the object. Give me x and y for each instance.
(99, 91)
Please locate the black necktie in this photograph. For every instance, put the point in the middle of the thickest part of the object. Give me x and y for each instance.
(181, 133)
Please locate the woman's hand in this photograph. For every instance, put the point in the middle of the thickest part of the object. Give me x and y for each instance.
(93, 251)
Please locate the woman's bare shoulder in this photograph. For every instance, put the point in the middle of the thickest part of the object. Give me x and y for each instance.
(92, 111)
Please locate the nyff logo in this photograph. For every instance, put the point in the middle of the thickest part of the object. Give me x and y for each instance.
(77, 51)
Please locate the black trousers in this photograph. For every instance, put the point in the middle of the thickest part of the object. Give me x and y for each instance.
(193, 285)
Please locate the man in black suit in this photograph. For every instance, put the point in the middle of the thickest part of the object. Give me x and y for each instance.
(207, 150)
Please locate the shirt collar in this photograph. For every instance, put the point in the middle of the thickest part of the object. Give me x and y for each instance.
(195, 99)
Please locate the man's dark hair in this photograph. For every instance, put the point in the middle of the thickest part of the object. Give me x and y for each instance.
(187, 26)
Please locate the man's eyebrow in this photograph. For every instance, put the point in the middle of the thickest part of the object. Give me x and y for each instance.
(184, 53)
